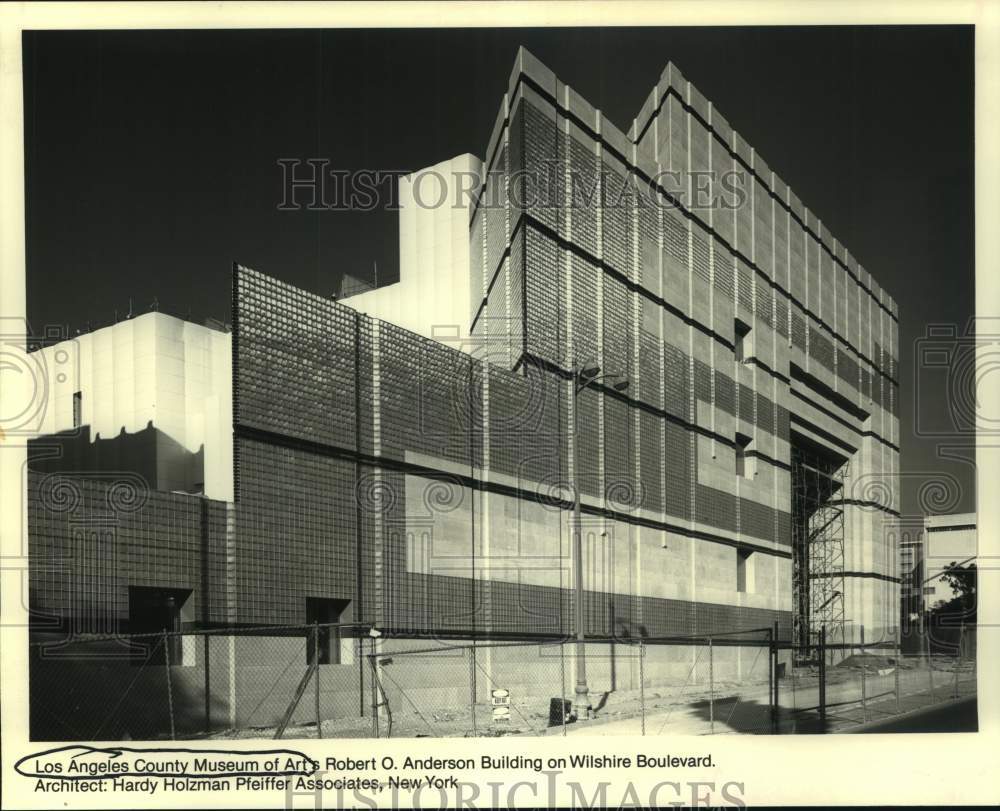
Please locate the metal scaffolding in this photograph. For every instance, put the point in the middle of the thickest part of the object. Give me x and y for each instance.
(818, 544)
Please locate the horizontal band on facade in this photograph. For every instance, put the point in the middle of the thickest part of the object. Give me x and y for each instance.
(683, 210)
(607, 613)
(845, 423)
(641, 405)
(526, 219)
(857, 575)
(672, 91)
(628, 162)
(814, 384)
(950, 528)
(753, 360)
(724, 638)
(795, 419)
(401, 466)
(866, 505)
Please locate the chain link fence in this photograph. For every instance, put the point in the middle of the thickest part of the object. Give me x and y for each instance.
(244, 682)
(715, 684)
(341, 681)
(833, 688)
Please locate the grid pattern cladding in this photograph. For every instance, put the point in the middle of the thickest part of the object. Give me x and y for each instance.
(90, 539)
(297, 532)
(429, 398)
(318, 519)
(651, 283)
(815, 279)
(582, 257)
(295, 362)
(609, 286)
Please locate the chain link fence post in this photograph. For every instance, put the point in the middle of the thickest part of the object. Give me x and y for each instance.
(899, 654)
(864, 668)
(777, 694)
(319, 716)
(711, 688)
(472, 688)
(372, 666)
(208, 683)
(822, 676)
(642, 685)
(771, 672)
(562, 686)
(170, 690)
(930, 670)
(958, 657)
(359, 651)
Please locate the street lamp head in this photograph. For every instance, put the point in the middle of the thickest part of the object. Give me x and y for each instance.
(620, 385)
(590, 372)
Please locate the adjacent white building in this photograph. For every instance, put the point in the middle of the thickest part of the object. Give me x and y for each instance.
(159, 379)
(432, 297)
(927, 547)
(152, 371)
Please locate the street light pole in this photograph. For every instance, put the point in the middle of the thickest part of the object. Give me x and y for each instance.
(582, 378)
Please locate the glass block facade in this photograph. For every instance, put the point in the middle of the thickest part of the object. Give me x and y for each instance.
(92, 538)
(445, 506)
(431, 485)
(674, 255)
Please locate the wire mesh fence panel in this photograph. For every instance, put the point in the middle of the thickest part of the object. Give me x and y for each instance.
(676, 693)
(267, 675)
(740, 686)
(472, 690)
(198, 684)
(800, 688)
(848, 675)
(517, 687)
(343, 699)
(868, 679)
(427, 689)
(332, 681)
(112, 688)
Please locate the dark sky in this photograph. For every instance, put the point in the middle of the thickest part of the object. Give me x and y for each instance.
(151, 157)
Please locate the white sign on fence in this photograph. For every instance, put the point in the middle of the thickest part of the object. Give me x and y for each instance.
(501, 705)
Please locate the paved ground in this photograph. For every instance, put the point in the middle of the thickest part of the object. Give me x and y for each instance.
(687, 710)
(748, 712)
(960, 715)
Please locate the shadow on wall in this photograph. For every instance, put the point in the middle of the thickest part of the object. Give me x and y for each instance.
(160, 460)
(103, 691)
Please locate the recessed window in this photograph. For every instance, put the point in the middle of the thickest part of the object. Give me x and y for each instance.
(743, 466)
(325, 613)
(77, 409)
(744, 570)
(742, 340)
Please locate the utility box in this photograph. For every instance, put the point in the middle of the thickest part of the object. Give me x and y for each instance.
(560, 711)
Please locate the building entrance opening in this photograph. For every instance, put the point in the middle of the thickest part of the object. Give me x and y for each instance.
(155, 610)
(818, 526)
